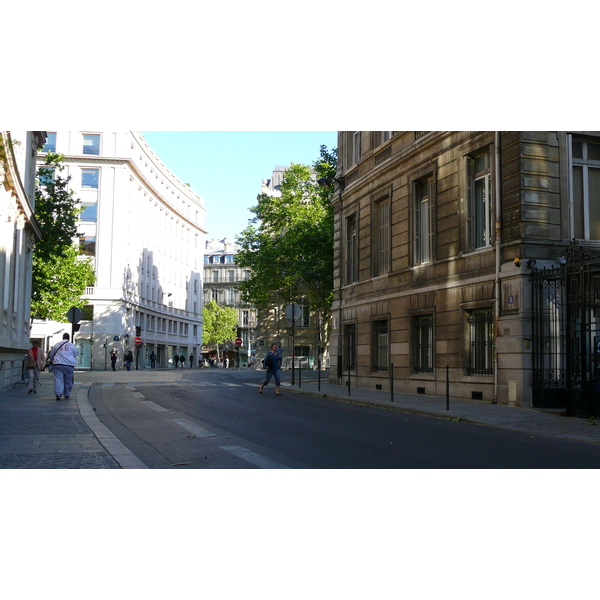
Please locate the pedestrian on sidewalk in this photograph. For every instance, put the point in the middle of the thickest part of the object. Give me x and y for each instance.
(182, 361)
(153, 360)
(113, 359)
(64, 359)
(128, 360)
(36, 361)
(176, 360)
(272, 365)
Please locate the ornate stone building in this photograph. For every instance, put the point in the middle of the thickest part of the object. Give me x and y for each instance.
(441, 240)
(221, 279)
(19, 231)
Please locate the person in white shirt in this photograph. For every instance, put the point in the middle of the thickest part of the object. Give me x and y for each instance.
(64, 359)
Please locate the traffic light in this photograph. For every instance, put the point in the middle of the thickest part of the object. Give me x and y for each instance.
(138, 331)
(106, 345)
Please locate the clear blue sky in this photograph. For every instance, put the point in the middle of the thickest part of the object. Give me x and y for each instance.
(226, 168)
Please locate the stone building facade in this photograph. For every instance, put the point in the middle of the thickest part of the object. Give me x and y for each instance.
(221, 280)
(144, 229)
(440, 238)
(19, 231)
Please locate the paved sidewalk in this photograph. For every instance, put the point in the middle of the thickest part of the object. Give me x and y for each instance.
(38, 432)
(533, 421)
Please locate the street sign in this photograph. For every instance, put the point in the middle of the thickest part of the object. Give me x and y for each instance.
(74, 315)
(137, 341)
(238, 341)
(293, 312)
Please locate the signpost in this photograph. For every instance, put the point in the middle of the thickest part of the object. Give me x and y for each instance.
(138, 342)
(74, 315)
(238, 343)
(293, 312)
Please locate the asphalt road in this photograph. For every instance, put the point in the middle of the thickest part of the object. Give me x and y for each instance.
(216, 419)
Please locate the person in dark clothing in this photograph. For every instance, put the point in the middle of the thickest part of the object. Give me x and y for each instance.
(153, 360)
(128, 360)
(113, 359)
(182, 361)
(176, 360)
(272, 365)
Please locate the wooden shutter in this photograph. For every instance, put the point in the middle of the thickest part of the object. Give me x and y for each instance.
(432, 227)
(470, 222)
(416, 224)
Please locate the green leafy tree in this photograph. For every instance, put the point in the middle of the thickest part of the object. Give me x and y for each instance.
(288, 246)
(220, 324)
(59, 275)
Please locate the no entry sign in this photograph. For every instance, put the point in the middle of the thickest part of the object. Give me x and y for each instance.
(137, 341)
(238, 341)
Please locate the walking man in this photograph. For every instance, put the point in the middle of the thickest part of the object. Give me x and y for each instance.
(36, 361)
(153, 360)
(113, 359)
(64, 359)
(272, 365)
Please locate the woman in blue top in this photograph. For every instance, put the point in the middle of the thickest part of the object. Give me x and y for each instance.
(272, 365)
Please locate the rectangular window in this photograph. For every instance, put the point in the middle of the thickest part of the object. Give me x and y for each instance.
(50, 145)
(423, 221)
(386, 135)
(231, 275)
(380, 246)
(91, 144)
(89, 212)
(356, 150)
(351, 250)
(215, 276)
(380, 346)
(349, 347)
(89, 178)
(245, 318)
(481, 329)
(87, 245)
(230, 296)
(423, 344)
(479, 201)
(215, 294)
(585, 189)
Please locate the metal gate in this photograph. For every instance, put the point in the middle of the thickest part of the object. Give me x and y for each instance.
(566, 334)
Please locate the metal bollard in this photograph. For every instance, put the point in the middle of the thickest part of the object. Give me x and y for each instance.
(447, 387)
(348, 380)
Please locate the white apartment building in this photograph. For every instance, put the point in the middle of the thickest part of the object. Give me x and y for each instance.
(144, 229)
(19, 231)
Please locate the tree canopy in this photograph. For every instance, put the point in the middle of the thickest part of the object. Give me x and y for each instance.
(59, 275)
(220, 323)
(288, 245)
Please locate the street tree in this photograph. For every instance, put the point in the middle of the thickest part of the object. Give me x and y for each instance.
(220, 324)
(59, 274)
(288, 245)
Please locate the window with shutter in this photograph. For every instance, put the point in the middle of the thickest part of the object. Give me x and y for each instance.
(423, 221)
(479, 201)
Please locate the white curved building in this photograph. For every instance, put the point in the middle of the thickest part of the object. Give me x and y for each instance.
(144, 229)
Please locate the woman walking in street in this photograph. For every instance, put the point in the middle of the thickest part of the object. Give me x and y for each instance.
(272, 365)
(64, 359)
